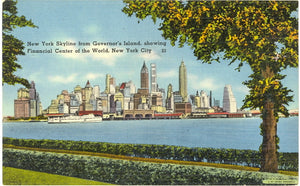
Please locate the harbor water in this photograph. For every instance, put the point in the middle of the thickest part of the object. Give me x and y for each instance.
(236, 133)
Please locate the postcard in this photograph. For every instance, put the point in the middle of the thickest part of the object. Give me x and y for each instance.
(149, 92)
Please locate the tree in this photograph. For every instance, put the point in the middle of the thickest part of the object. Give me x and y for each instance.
(11, 46)
(262, 34)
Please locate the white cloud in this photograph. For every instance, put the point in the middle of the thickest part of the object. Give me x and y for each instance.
(149, 56)
(106, 58)
(243, 89)
(92, 76)
(207, 83)
(63, 79)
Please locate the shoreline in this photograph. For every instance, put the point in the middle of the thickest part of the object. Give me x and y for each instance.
(4, 120)
(23, 120)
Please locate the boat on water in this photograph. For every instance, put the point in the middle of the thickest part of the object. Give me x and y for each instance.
(74, 119)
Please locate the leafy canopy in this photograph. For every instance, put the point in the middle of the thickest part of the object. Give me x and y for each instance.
(11, 46)
(263, 34)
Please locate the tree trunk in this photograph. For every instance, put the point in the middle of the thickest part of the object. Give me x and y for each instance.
(269, 128)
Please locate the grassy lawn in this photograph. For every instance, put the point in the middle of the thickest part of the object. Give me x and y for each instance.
(13, 176)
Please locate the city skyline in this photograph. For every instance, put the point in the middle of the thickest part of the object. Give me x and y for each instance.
(104, 21)
(116, 98)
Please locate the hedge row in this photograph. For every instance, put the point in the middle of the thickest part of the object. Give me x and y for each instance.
(287, 161)
(131, 172)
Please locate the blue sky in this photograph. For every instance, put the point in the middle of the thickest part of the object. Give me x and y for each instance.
(96, 20)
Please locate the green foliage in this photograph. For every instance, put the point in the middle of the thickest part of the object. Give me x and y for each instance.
(272, 88)
(37, 118)
(130, 172)
(287, 161)
(262, 34)
(241, 29)
(244, 31)
(11, 46)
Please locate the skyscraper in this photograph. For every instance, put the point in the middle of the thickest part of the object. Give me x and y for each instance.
(96, 91)
(143, 92)
(144, 77)
(197, 100)
(33, 102)
(153, 78)
(204, 100)
(229, 102)
(183, 82)
(107, 84)
(28, 103)
(22, 104)
(210, 99)
(110, 84)
(32, 91)
(87, 93)
(170, 98)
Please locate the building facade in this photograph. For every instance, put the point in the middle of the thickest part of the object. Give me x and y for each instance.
(204, 100)
(144, 77)
(229, 101)
(153, 78)
(28, 103)
(170, 99)
(22, 108)
(141, 99)
(80, 99)
(185, 108)
(183, 82)
(118, 98)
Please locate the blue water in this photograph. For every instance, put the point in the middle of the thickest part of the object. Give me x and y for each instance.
(243, 133)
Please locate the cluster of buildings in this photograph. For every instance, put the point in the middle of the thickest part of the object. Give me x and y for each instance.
(125, 100)
(28, 103)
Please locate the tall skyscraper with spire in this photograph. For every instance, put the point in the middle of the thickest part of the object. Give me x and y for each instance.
(183, 82)
(229, 102)
(141, 98)
(144, 77)
(153, 78)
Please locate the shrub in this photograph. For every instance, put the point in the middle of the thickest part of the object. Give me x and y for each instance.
(287, 161)
(131, 172)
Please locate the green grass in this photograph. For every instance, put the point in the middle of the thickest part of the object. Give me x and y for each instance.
(13, 176)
